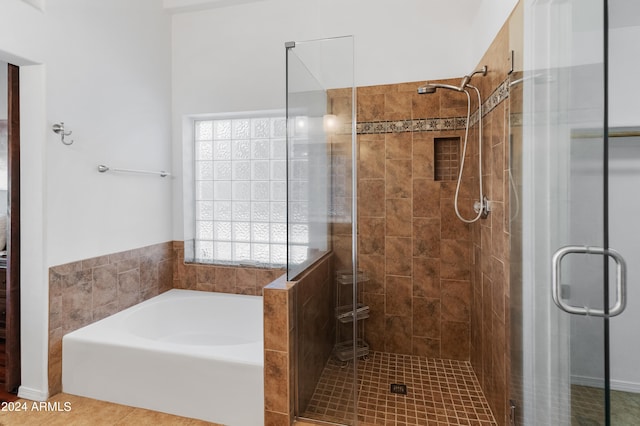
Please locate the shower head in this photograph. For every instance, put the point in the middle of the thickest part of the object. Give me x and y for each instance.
(432, 87)
(427, 88)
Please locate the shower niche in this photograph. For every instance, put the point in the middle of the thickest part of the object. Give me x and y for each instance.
(446, 153)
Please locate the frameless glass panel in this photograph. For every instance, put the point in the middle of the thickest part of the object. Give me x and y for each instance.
(624, 181)
(307, 164)
(565, 349)
(321, 220)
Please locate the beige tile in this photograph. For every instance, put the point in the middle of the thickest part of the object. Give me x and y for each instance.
(374, 266)
(95, 262)
(398, 256)
(276, 332)
(149, 273)
(423, 156)
(398, 217)
(426, 198)
(141, 417)
(399, 146)
(398, 332)
(456, 259)
(455, 340)
(426, 237)
(370, 194)
(372, 236)
(128, 264)
(398, 296)
(276, 381)
(456, 300)
(205, 274)
(397, 106)
(426, 277)
(105, 285)
(426, 318)
(398, 179)
(371, 149)
(129, 289)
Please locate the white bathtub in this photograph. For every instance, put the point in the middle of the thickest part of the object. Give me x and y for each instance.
(189, 353)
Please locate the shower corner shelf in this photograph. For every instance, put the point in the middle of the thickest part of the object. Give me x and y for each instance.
(345, 277)
(344, 314)
(345, 351)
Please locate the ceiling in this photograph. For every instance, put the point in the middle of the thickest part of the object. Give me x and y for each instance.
(177, 6)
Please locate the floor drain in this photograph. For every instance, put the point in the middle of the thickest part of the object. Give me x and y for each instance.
(399, 389)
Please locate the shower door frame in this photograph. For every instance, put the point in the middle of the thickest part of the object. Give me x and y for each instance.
(551, 149)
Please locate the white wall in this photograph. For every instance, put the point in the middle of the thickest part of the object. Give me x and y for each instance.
(104, 69)
(624, 59)
(486, 23)
(233, 58)
(108, 77)
(3, 91)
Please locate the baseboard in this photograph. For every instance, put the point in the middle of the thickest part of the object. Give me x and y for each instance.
(595, 382)
(32, 394)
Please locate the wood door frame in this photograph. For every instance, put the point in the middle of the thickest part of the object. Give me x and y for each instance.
(12, 374)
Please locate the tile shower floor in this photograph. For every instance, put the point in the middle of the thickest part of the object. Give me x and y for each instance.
(439, 392)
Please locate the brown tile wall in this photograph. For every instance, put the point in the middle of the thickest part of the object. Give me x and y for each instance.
(315, 302)
(490, 260)
(86, 291)
(439, 287)
(417, 256)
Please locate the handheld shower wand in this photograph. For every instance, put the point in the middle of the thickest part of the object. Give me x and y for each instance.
(481, 207)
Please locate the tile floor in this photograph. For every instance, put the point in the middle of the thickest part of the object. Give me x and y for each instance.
(85, 411)
(587, 407)
(439, 392)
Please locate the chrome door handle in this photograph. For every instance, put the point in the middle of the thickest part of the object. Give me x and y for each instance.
(621, 281)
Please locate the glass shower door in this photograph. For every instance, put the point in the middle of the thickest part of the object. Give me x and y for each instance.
(576, 284)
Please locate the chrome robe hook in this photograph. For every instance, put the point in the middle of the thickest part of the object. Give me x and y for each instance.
(58, 128)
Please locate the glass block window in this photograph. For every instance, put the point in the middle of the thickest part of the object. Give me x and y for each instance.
(240, 193)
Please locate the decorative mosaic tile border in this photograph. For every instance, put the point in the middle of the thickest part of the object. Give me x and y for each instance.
(516, 119)
(431, 124)
(417, 125)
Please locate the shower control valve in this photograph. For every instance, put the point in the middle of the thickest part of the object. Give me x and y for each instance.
(485, 206)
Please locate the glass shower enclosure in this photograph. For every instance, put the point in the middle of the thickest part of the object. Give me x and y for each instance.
(580, 254)
(321, 216)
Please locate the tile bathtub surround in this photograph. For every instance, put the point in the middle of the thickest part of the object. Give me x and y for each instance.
(221, 279)
(88, 290)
